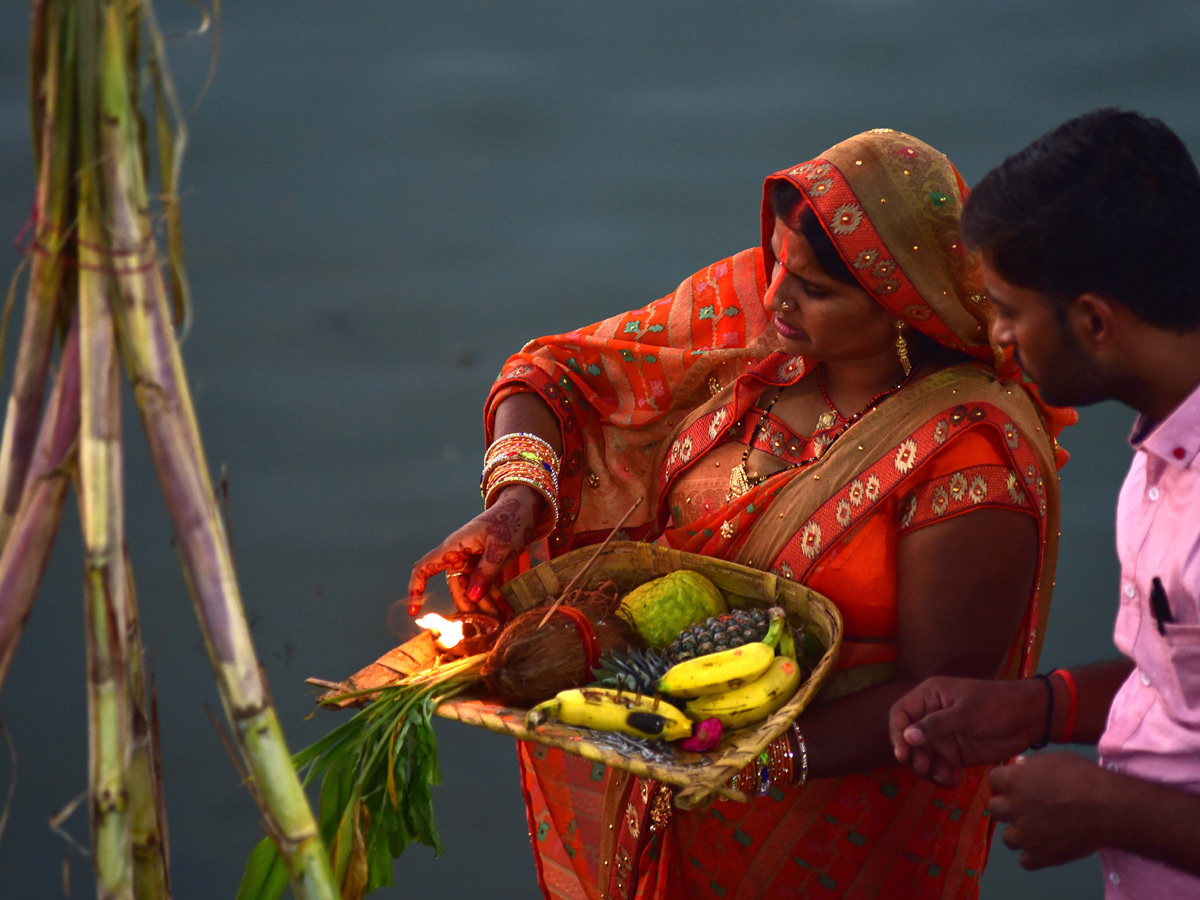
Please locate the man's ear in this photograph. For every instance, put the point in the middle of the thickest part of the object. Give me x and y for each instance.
(1096, 321)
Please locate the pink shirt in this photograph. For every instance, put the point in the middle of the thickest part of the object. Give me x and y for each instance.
(1154, 723)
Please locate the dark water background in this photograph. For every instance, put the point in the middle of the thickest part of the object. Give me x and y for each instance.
(381, 202)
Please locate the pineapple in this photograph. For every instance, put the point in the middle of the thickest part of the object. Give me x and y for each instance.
(717, 633)
(634, 670)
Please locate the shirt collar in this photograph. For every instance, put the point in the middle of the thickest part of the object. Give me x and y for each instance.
(1175, 439)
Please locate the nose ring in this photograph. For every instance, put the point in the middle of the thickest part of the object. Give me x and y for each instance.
(783, 304)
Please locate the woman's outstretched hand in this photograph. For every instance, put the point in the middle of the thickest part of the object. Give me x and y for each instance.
(474, 556)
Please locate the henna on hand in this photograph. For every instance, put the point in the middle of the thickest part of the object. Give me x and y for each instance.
(503, 520)
(480, 549)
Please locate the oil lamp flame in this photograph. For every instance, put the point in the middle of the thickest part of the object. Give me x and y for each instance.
(446, 633)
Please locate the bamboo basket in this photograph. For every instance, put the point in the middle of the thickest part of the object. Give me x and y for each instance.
(697, 777)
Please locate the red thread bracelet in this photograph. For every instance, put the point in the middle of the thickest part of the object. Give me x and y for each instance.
(591, 644)
(1072, 705)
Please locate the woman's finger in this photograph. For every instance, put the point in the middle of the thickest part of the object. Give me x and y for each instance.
(424, 569)
(457, 583)
(490, 564)
(457, 553)
(503, 609)
(487, 606)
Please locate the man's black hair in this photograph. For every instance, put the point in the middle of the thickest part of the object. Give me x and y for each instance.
(1106, 203)
(785, 198)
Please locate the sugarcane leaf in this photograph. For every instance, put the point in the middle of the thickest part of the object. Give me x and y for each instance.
(266, 874)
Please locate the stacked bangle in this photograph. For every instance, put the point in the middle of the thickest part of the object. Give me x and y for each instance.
(518, 447)
(522, 459)
(775, 766)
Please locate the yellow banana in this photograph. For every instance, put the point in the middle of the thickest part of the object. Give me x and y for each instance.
(716, 673)
(606, 709)
(751, 702)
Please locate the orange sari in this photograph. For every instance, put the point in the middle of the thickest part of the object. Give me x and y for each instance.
(659, 404)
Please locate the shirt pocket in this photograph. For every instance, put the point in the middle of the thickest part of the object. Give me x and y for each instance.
(1178, 678)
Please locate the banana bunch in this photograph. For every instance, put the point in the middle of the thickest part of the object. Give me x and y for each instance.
(607, 709)
(716, 673)
(751, 702)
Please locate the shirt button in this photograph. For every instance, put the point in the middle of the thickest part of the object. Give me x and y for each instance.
(1130, 590)
(1152, 494)
(1114, 877)
(1179, 453)
(1145, 679)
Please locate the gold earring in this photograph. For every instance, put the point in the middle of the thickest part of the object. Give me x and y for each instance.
(902, 348)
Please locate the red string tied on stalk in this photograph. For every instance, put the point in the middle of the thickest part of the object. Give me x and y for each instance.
(591, 643)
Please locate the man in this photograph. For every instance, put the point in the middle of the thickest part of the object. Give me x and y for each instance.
(1090, 238)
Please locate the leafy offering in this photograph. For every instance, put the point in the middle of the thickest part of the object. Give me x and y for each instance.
(378, 770)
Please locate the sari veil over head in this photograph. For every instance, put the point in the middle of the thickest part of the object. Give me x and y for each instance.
(652, 401)
(891, 204)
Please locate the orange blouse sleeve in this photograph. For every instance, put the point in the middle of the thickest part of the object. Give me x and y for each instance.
(973, 472)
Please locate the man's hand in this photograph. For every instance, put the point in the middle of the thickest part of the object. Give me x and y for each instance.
(947, 724)
(1054, 804)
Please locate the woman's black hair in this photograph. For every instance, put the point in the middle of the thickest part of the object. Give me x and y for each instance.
(1106, 203)
(785, 199)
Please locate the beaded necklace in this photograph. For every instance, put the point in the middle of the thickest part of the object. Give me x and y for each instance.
(740, 481)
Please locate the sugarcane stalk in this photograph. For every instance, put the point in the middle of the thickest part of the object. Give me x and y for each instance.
(23, 562)
(147, 807)
(53, 105)
(101, 491)
(155, 367)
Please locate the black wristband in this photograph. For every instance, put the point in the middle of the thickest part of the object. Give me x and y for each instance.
(1049, 712)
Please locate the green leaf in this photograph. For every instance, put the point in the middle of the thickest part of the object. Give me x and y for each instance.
(266, 875)
(343, 840)
(336, 788)
(379, 857)
(333, 744)
(391, 739)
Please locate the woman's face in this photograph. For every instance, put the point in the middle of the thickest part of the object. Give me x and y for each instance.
(818, 316)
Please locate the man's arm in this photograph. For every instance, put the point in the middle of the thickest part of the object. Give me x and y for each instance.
(947, 724)
(1095, 687)
(1062, 807)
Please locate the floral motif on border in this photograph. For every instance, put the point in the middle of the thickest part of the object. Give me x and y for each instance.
(959, 492)
(864, 248)
(874, 485)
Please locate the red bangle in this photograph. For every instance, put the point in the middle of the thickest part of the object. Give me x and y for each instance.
(1072, 705)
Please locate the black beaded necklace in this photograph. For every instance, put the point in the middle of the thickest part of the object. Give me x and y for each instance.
(740, 481)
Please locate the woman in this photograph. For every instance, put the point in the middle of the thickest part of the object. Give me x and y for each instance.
(828, 408)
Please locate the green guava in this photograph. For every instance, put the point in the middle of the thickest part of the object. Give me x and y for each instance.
(662, 608)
